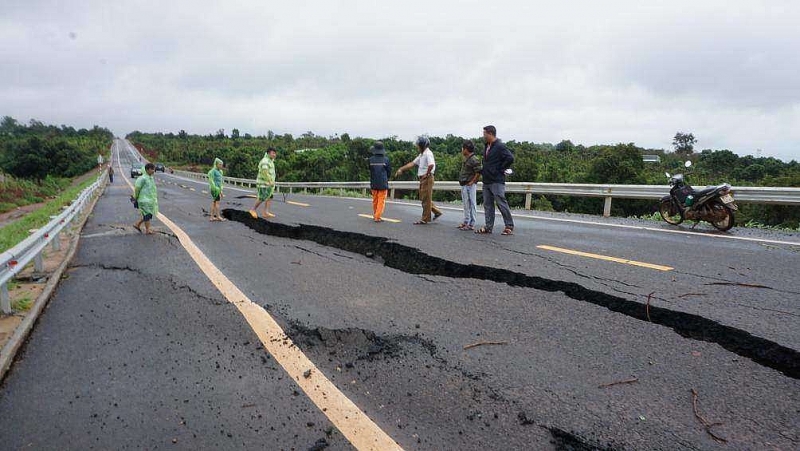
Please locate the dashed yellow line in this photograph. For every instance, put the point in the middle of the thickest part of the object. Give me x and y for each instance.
(299, 204)
(385, 219)
(607, 258)
(351, 421)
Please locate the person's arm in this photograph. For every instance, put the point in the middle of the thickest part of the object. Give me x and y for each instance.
(137, 188)
(476, 172)
(509, 158)
(428, 173)
(404, 168)
(212, 182)
(388, 169)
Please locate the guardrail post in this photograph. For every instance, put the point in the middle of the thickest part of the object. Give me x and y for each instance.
(56, 243)
(38, 263)
(392, 194)
(607, 207)
(528, 197)
(5, 299)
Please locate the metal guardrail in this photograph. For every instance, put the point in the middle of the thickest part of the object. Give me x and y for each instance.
(759, 195)
(14, 260)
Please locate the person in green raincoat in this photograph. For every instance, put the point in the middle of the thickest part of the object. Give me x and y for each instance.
(265, 183)
(215, 187)
(146, 196)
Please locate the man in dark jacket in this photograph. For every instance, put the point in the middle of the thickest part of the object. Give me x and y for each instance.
(497, 160)
(379, 172)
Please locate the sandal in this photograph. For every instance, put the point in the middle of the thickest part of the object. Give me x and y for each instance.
(137, 228)
(435, 216)
(467, 227)
(462, 225)
(483, 231)
(420, 222)
(507, 231)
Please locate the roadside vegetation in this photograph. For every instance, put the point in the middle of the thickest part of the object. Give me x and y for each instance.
(38, 161)
(18, 230)
(36, 150)
(20, 192)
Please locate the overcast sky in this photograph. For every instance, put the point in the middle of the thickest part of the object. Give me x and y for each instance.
(592, 72)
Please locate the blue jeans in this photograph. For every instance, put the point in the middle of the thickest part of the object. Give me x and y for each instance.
(469, 198)
(496, 192)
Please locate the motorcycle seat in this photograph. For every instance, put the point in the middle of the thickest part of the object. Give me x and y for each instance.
(708, 190)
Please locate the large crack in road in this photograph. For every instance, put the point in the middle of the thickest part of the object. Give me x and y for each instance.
(410, 260)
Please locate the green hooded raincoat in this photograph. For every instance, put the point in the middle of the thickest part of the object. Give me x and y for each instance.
(145, 193)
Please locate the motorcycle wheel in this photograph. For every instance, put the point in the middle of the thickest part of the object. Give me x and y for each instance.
(724, 224)
(670, 213)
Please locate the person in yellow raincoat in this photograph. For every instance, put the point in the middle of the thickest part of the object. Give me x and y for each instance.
(215, 188)
(146, 196)
(265, 183)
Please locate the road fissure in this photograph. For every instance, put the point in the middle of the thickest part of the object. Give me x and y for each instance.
(413, 261)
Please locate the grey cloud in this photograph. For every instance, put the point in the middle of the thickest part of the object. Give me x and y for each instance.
(591, 72)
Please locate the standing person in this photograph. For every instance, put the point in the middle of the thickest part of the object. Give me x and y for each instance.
(468, 179)
(110, 174)
(265, 183)
(215, 188)
(497, 160)
(380, 169)
(426, 167)
(146, 196)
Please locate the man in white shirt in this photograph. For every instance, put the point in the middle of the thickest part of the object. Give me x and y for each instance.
(426, 167)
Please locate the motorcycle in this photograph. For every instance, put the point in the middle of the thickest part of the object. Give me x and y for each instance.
(714, 204)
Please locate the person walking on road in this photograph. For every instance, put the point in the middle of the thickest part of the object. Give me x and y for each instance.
(426, 167)
(110, 174)
(497, 161)
(146, 196)
(468, 179)
(380, 169)
(215, 188)
(265, 183)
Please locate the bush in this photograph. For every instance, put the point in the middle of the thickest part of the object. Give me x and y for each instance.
(542, 204)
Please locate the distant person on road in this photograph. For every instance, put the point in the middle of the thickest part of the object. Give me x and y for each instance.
(110, 174)
(380, 169)
(215, 188)
(468, 179)
(497, 161)
(265, 183)
(426, 167)
(146, 196)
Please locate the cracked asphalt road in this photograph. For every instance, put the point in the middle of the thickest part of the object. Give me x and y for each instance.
(137, 348)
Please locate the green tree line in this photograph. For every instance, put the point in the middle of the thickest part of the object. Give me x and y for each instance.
(36, 151)
(311, 157)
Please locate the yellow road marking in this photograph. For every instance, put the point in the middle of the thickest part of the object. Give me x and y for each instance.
(299, 204)
(351, 421)
(606, 258)
(385, 219)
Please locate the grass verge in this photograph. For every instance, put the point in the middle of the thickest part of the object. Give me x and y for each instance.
(19, 192)
(17, 231)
